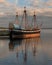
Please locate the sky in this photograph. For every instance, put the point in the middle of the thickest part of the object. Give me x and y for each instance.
(41, 7)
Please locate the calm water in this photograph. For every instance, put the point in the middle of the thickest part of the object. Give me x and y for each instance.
(35, 51)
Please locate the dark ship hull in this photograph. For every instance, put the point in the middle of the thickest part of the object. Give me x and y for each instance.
(24, 33)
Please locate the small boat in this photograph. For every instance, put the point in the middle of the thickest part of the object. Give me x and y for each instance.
(17, 31)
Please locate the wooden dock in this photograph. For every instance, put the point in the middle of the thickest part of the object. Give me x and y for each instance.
(4, 33)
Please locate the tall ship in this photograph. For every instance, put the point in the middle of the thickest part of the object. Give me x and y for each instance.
(18, 31)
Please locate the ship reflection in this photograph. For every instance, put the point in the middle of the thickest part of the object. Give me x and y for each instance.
(24, 46)
(14, 43)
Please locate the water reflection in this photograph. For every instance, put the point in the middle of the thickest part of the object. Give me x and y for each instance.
(24, 46)
(35, 51)
(14, 43)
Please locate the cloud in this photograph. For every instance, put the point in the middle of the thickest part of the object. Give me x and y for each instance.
(49, 3)
(2, 1)
(1, 13)
(38, 11)
(6, 7)
(39, 6)
(39, 3)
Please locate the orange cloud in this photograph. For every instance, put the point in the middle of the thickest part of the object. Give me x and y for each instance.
(2, 14)
(2, 0)
(49, 3)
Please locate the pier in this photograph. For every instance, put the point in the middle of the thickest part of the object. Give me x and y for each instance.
(4, 33)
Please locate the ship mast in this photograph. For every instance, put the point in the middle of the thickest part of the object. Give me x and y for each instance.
(25, 18)
(16, 17)
(15, 5)
(34, 21)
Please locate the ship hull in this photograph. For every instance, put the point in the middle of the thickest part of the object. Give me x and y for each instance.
(24, 33)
